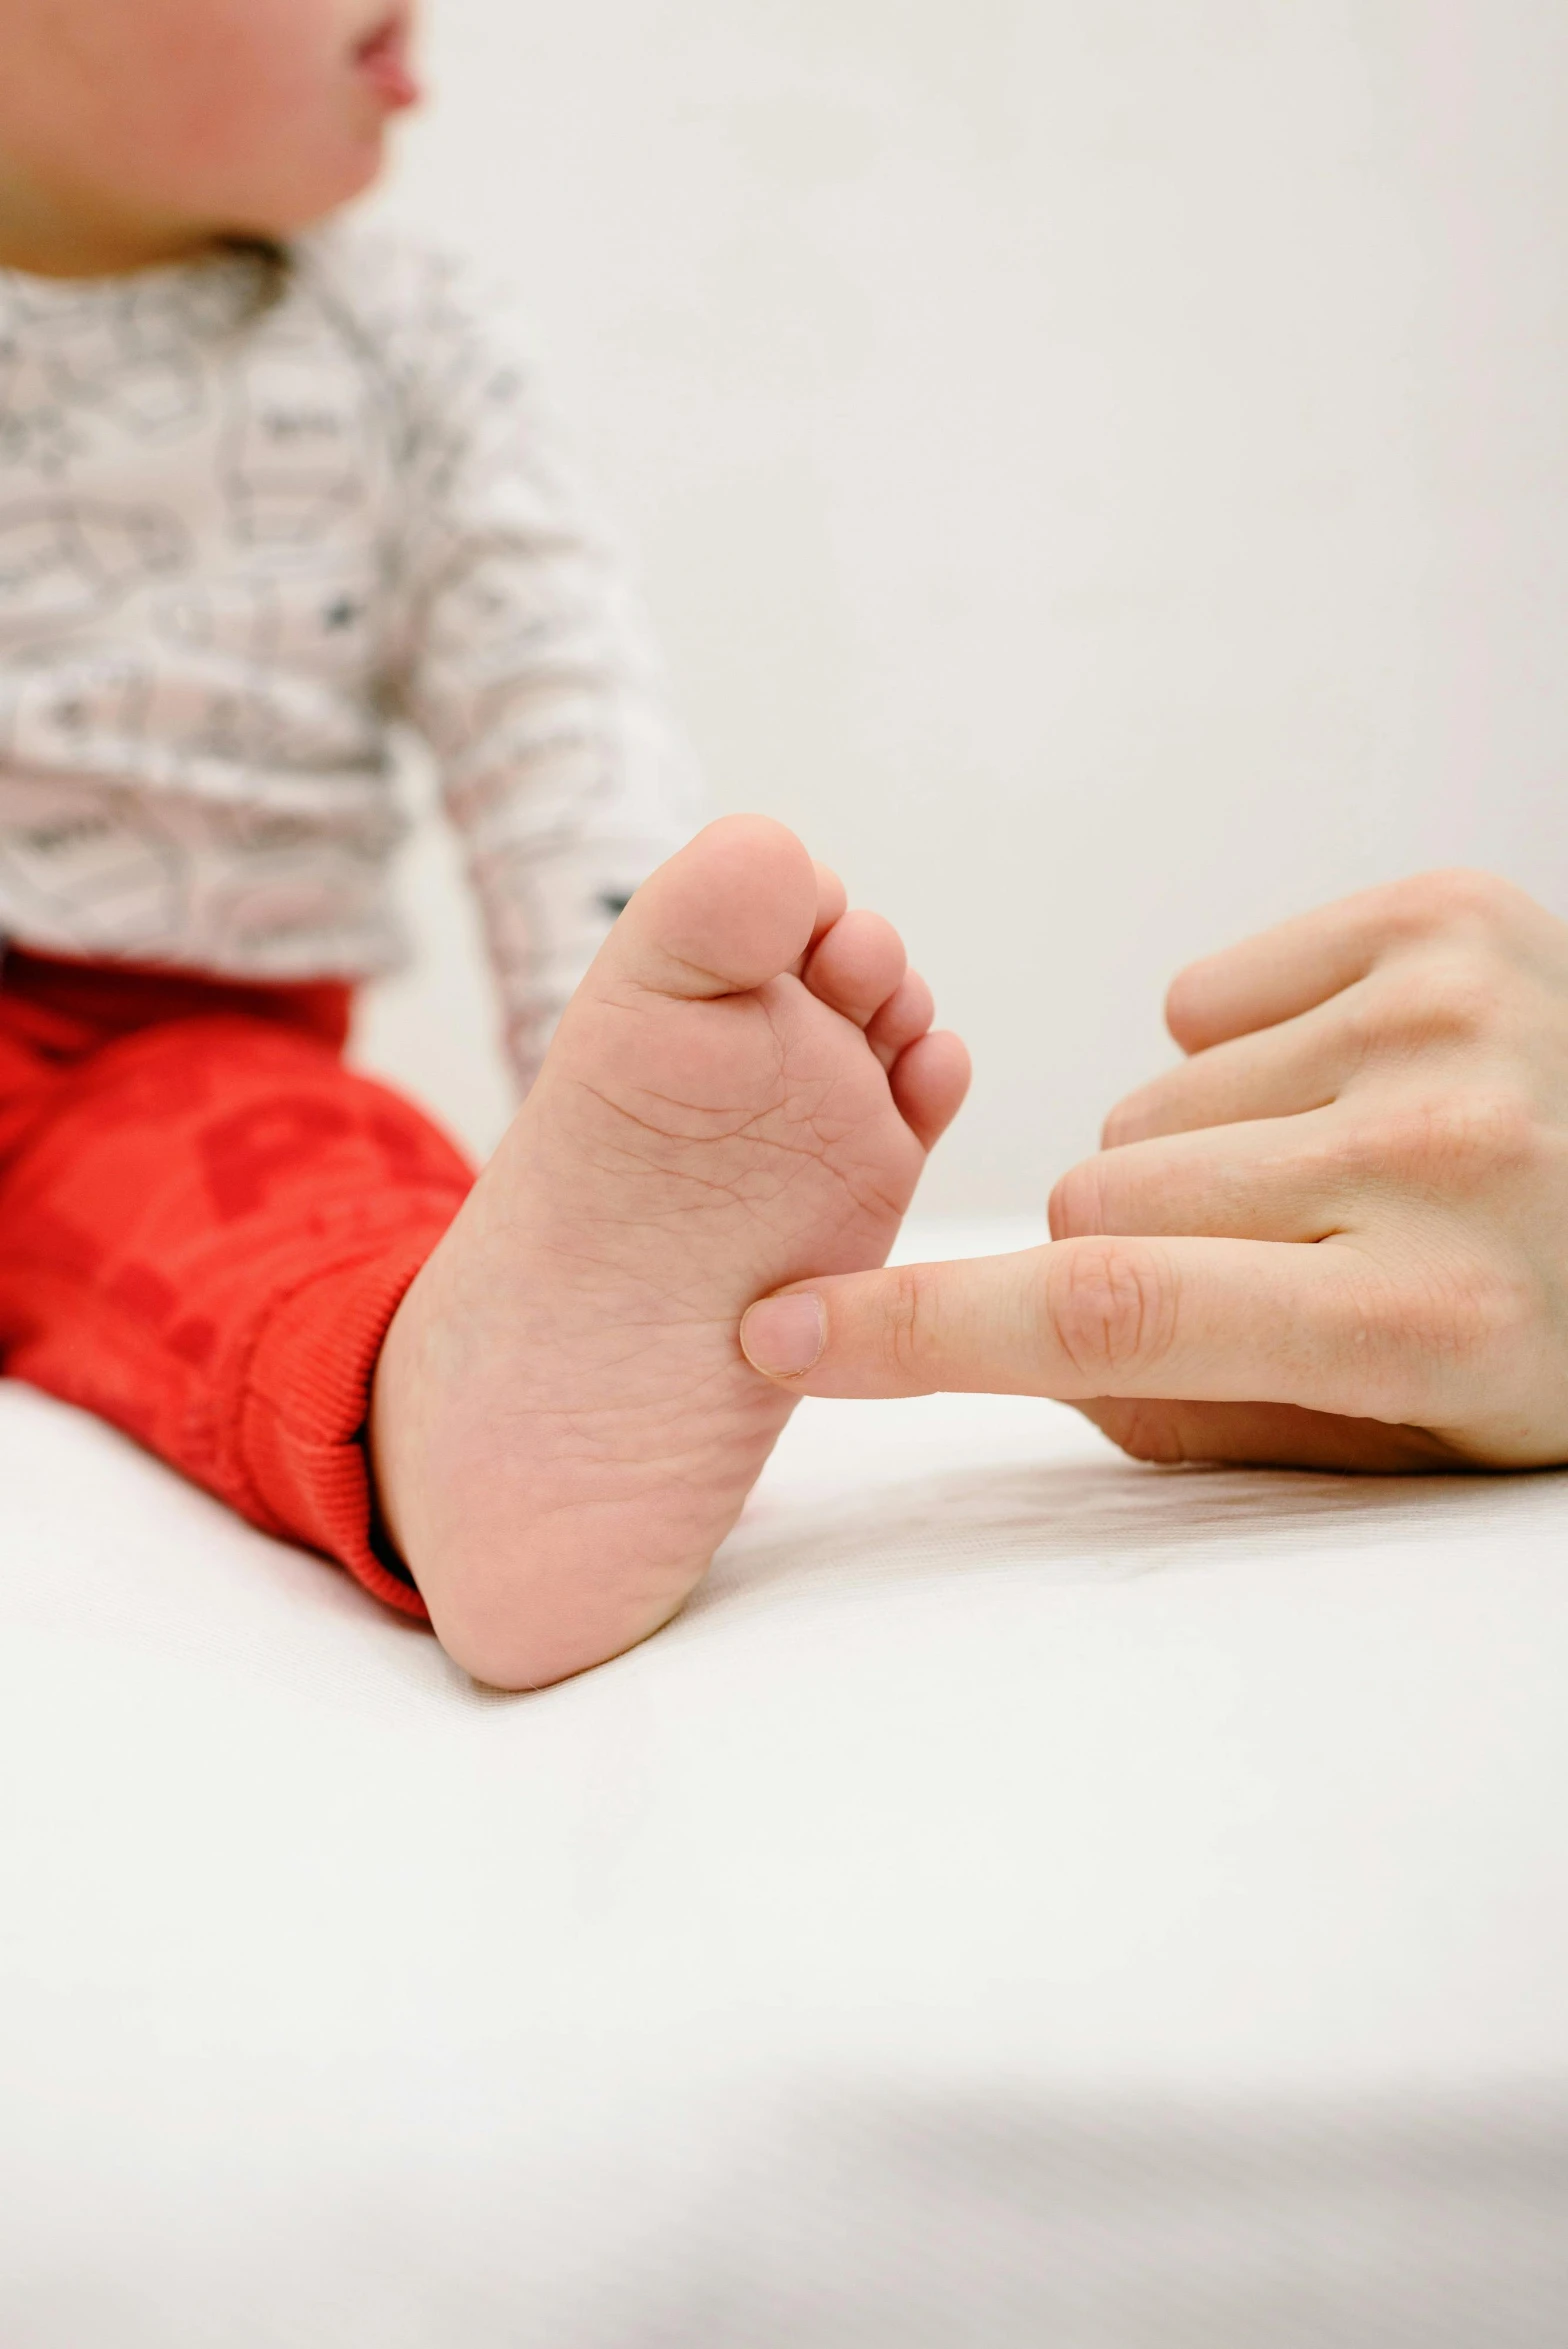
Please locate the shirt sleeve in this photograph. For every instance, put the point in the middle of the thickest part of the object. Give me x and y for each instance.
(524, 659)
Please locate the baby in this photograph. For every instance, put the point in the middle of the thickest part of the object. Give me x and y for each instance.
(267, 487)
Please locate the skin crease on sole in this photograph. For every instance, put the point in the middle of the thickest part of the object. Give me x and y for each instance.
(743, 1092)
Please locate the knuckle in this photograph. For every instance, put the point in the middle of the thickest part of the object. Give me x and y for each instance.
(1107, 1308)
(1458, 1000)
(1460, 1318)
(1381, 1317)
(1465, 997)
(1455, 897)
(907, 1331)
(1359, 1151)
(1376, 1308)
(1451, 1143)
(1490, 1133)
(1432, 1338)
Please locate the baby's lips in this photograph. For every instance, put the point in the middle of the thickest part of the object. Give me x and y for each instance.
(784, 1337)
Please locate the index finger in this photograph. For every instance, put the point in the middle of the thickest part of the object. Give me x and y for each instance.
(1212, 1320)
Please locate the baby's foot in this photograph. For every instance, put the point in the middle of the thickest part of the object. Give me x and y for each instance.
(742, 1093)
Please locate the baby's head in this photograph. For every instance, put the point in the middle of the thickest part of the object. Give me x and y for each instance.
(134, 131)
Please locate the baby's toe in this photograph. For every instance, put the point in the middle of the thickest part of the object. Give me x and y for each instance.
(907, 1013)
(857, 966)
(733, 908)
(928, 1082)
(832, 899)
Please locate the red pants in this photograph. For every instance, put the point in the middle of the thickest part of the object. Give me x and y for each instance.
(206, 1225)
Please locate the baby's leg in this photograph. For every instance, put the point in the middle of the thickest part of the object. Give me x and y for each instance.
(205, 1229)
(272, 1271)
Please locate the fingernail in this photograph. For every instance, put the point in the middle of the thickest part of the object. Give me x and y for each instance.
(784, 1336)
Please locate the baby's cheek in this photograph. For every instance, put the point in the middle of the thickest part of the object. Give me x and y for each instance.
(267, 119)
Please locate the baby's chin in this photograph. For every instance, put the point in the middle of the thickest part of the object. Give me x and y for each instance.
(282, 214)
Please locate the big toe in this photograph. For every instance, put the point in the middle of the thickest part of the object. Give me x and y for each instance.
(734, 908)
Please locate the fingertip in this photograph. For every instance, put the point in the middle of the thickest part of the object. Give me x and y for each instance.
(784, 1337)
(843, 1335)
(1185, 1020)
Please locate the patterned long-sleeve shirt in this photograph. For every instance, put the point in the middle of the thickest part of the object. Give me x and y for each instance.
(255, 510)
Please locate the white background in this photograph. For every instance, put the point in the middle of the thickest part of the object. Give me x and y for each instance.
(1098, 466)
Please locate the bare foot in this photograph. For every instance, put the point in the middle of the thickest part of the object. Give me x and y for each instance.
(742, 1093)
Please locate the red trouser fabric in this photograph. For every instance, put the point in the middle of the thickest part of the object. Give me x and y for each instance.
(206, 1225)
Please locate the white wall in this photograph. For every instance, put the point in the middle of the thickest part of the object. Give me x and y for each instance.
(1100, 466)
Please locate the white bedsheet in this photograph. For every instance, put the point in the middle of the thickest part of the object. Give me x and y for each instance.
(1028, 1899)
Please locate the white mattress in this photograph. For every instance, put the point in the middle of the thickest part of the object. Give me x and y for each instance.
(1028, 1899)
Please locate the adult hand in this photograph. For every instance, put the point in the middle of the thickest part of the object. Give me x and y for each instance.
(1335, 1235)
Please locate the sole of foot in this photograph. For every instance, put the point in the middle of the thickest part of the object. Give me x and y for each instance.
(741, 1094)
